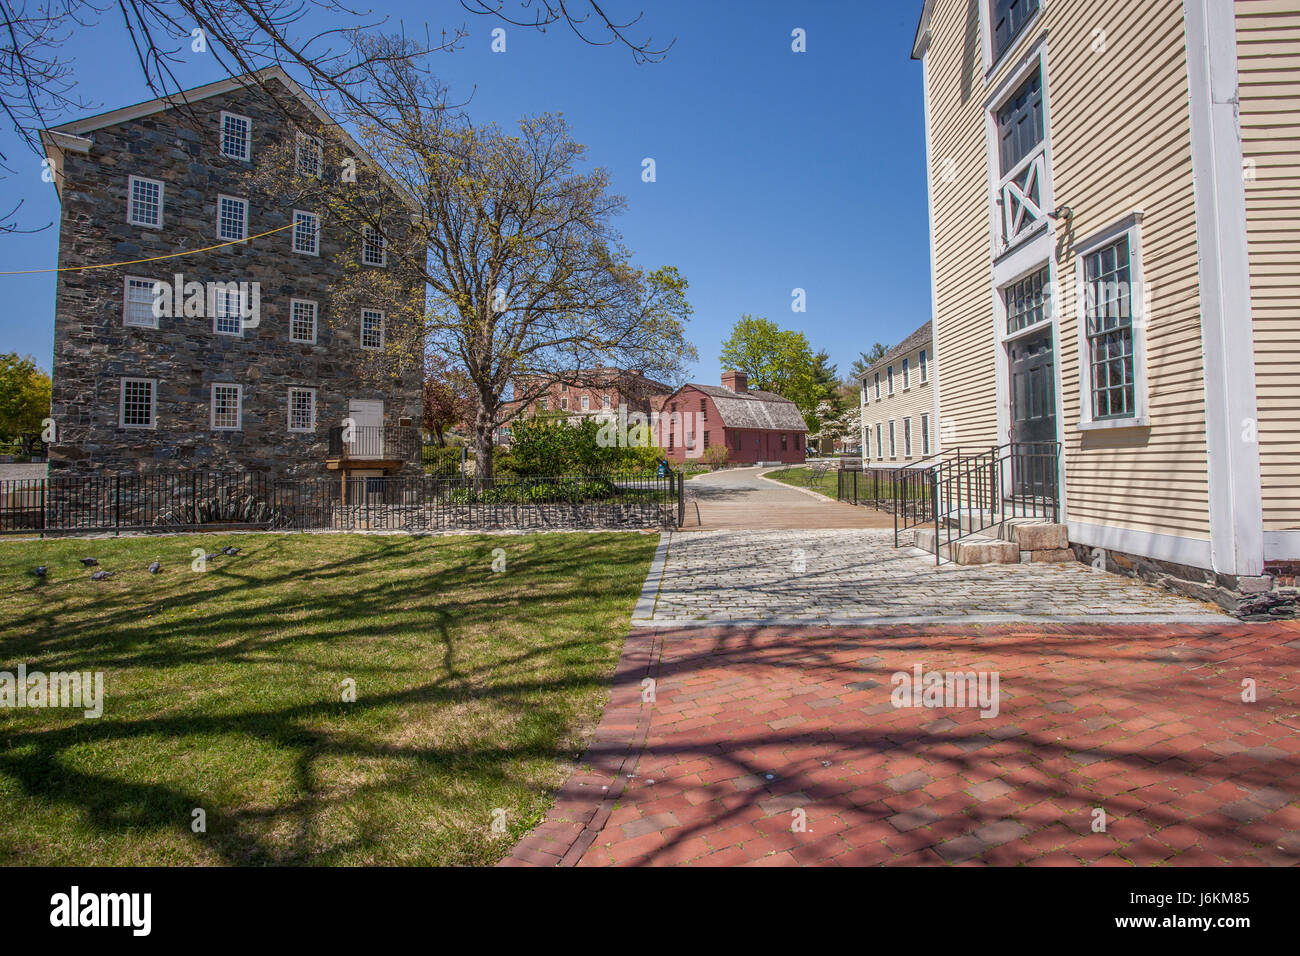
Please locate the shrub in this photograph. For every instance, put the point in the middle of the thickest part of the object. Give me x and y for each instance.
(715, 456)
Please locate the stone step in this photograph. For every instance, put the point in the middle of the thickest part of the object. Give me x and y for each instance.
(972, 549)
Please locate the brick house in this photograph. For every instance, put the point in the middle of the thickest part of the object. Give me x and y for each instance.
(756, 427)
(599, 393)
(240, 366)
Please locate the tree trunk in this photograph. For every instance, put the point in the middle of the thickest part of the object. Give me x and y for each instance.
(483, 444)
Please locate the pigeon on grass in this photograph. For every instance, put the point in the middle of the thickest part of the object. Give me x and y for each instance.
(101, 575)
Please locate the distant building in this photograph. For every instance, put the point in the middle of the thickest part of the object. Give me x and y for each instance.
(597, 393)
(898, 403)
(756, 427)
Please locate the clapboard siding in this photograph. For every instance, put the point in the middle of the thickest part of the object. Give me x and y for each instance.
(1120, 141)
(1268, 64)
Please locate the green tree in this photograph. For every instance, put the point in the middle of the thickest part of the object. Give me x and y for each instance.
(24, 399)
(867, 359)
(773, 359)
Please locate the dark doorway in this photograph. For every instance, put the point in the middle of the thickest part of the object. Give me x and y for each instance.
(1033, 415)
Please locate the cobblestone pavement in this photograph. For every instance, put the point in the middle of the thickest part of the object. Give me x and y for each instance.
(780, 746)
(850, 576)
(739, 498)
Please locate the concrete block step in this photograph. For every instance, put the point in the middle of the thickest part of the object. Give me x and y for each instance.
(972, 549)
(1034, 534)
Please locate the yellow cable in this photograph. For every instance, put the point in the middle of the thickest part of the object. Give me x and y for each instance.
(136, 262)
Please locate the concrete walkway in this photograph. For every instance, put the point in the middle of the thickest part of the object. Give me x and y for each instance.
(739, 498)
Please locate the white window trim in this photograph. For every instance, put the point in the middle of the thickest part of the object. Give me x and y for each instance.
(986, 38)
(907, 374)
(1035, 59)
(126, 304)
(889, 380)
(366, 231)
(925, 434)
(239, 407)
(221, 136)
(238, 199)
(893, 441)
(315, 141)
(212, 306)
(289, 409)
(293, 233)
(361, 336)
(1130, 225)
(923, 365)
(130, 201)
(153, 403)
(315, 321)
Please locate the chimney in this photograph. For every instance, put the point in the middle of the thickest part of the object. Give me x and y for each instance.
(736, 381)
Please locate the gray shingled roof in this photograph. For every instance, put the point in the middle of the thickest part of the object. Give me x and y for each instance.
(754, 408)
(921, 336)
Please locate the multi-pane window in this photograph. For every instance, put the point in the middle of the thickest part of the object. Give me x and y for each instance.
(541, 405)
(564, 403)
(145, 204)
(877, 382)
(880, 442)
(907, 373)
(236, 136)
(227, 310)
(893, 448)
(604, 401)
(306, 232)
(907, 437)
(586, 403)
(232, 218)
(1020, 123)
(1028, 301)
(1008, 18)
(227, 407)
(308, 156)
(372, 329)
(1108, 314)
(302, 409)
(302, 321)
(374, 247)
(783, 441)
(890, 372)
(136, 403)
(925, 435)
(923, 366)
(137, 304)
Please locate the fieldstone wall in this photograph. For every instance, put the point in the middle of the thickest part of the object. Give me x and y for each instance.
(93, 350)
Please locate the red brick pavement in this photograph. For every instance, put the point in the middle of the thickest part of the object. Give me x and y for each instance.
(751, 727)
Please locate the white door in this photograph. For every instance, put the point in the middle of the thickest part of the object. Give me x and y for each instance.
(367, 428)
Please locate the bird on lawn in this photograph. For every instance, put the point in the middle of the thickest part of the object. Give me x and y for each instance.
(89, 562)
(155, 567)
(101, 575)
(230, 552)
(212, 556)
(40, 572)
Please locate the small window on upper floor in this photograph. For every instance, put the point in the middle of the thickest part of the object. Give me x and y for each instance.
(374, 247)
(372, 329)
(922, 361)
(308, 155)
(1006, 19)
(586, 403)
(907, 374)
(890, 375)
(137, 304)
(306, 232)
(232, 218)
(236, 136)
(144, 202)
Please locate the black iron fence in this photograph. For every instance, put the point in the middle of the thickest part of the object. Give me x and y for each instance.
(66, 504)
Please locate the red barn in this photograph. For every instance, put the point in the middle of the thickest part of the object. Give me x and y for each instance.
(755, 427)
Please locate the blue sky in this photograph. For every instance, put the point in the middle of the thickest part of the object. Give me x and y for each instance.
(775, 170)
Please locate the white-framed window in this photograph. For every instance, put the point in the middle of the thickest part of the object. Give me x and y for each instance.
(308, 155)
(137, 303)
(374, 247)
(302, 409)
(1003, 23)
(925, 435)
(1112, 327)
(893, 450)
(564, 403)
(302, 321)
(1018, 143)
(137, 403)
(586, 403)
(877, 386)
(227, 310)
(306, 232)
(227, 407)
(907, 437)
(889, 373)
(236, 136)
(144, 205)
(880, 442)
(923, 366)
(372, 329)
(232, 218)
(604, 401)
(907, 374)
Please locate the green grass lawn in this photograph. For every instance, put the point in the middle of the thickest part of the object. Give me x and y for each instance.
(802, 477)
(475, 692)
